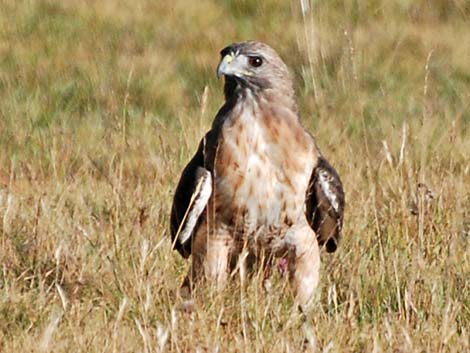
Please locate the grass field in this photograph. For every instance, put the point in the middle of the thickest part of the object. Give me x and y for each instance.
(103, 102)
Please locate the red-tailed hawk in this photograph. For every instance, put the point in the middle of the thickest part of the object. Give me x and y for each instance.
(258, 181)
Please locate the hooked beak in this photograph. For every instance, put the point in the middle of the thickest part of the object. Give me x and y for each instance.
(226, 67)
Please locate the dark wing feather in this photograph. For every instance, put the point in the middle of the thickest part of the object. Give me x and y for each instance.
(325, 204)
(200, 167)
(181, 201)
(188, 192)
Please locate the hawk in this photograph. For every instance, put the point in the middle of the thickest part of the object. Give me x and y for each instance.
(258, 182)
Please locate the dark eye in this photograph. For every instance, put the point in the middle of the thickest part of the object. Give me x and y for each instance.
(255, 61)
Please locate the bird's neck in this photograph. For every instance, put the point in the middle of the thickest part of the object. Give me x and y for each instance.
(230, 88)
(240, 93)
(268, 109)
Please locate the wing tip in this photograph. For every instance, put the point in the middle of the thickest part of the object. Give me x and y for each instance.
(331, 245)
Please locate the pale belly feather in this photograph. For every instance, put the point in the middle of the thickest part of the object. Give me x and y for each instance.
(257, 189)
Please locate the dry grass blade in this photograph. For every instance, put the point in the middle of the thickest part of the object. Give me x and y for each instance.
(101, 105)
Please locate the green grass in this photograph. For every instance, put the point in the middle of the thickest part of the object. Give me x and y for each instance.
(103, 103)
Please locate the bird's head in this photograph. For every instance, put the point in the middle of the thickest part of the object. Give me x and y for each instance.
(252, 65)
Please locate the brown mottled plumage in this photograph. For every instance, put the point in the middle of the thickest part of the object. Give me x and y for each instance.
(258, 181)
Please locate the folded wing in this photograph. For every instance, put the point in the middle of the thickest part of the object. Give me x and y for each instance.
(325, 204)
(191, 197)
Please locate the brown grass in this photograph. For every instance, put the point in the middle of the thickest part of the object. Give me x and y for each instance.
(102, 104)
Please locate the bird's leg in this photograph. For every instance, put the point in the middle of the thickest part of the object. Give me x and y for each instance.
(304, 272)
(217, 258)
(210, 258)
